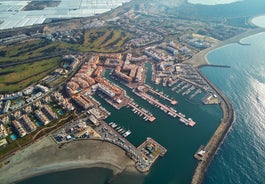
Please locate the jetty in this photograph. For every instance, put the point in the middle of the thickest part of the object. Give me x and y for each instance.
(150, 150)
(191, 82)
(219, 135)
(142, 111)
(170, 111)
(161, 95)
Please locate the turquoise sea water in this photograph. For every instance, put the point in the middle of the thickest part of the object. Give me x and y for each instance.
(241, 159)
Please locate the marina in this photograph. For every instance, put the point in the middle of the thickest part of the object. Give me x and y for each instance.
(122, 131)
(161, 95)
(141, 111)
(186, 88)
(170, 111)
(158, 40)
(144, 156)
(193, 83)
(195, 93)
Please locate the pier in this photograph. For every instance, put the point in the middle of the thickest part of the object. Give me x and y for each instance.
(218, 66)
(218, 137)
(191, 82)
(196, 93)
(170, 111)
(144, 155)
(150, 151)
(161, 95)
(147, 115)
(162, 150)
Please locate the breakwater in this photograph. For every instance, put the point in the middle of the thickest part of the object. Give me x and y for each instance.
(218, 66)
(218, 137)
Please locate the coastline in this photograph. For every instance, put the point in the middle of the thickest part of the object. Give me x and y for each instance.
(200, 59)
(36, 159)
(106, 162)
(228, 112)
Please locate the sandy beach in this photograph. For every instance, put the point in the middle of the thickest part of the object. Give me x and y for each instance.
(45, 156)
(200, 59)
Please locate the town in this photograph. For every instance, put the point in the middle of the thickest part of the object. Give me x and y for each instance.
(37, 106)
(63, 104)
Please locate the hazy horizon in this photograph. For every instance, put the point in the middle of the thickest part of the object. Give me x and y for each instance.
(212, 2)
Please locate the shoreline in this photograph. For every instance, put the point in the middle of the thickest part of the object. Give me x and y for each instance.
(118, 167)
(200, 59)
(228, 112)
(37, 160)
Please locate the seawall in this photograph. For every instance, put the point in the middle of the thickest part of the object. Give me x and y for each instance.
(218, 137)
(200, 60)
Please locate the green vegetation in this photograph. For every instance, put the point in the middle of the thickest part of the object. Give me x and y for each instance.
(41, 131)
(99, 40)
(23, 51)
(15, 78)
(38, 54)
(12, 146)
(104, 40)
(33, 50)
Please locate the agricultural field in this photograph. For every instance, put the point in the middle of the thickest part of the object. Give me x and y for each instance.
(15, 78)
(105, 39)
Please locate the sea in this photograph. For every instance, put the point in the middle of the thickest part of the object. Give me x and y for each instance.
(241, 157)
(212, 2)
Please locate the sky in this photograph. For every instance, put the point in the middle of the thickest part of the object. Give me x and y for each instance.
(212, 2)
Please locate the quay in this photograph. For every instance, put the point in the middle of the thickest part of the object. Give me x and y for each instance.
(150, 151)
(170, 111)
(161, 95)
(162, 150)
(193, 83)
(144, 156)
(144, 112)
(143, 159)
